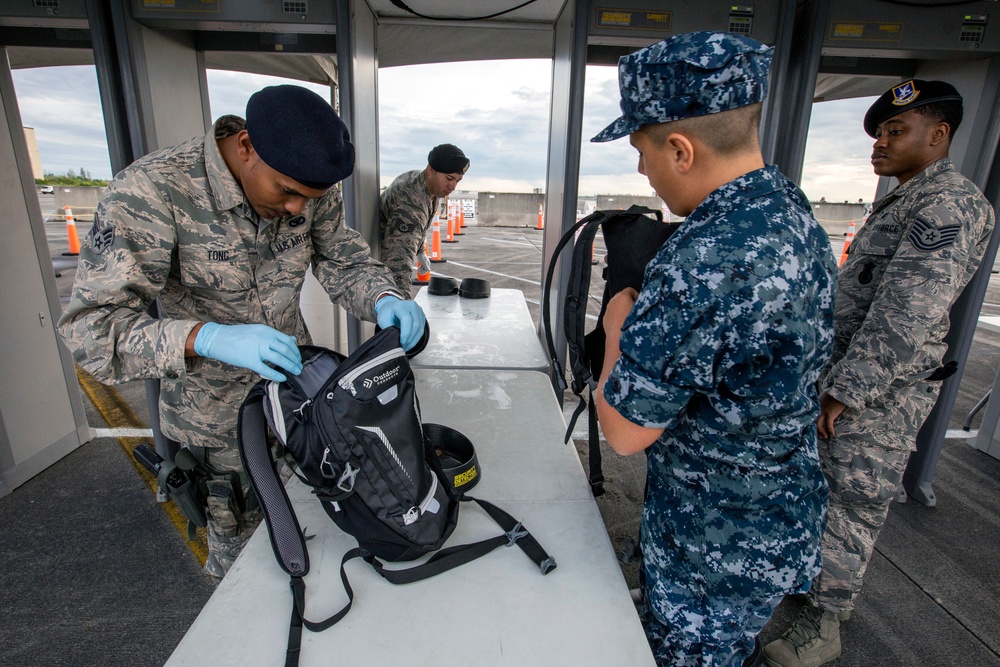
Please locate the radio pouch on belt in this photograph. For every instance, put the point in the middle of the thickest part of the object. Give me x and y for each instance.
(353, 426)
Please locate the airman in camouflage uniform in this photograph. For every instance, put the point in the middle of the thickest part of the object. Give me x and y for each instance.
(178, 226)
(712, 367)
(906, 267)
(407, 208)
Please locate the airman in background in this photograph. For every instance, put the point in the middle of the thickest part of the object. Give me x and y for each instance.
(906, 267)
(407, 208)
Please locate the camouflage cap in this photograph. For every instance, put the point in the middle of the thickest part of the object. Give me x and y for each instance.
(694, 74)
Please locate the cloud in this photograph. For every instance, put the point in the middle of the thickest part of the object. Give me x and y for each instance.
(63, 105)
(497, 112)
(228, 92)
(837, 159)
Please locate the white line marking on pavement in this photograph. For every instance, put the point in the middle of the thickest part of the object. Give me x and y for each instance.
(527, 243)
(496, 273)
(123, 433)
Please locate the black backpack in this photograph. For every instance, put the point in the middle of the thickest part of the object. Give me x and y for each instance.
(632, 239)
(353, 427)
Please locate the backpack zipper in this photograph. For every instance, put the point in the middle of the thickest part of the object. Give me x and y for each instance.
(347, 382)
(416, 512)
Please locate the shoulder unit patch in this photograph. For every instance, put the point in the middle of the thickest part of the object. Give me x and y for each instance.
(101, 239)
(925, 236)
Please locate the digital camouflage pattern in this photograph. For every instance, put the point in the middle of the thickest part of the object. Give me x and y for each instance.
(906, 267)
(722, 349)
(694, 74)
(175, 225)
(406, 210)
(228, 527)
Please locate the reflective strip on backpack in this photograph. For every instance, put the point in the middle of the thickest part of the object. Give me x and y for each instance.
(347, 382)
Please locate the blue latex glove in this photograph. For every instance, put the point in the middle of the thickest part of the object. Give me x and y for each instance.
(249, 346)
(391, 311)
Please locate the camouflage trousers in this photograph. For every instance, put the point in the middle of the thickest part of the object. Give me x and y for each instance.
(864, 465)
(716, 563)
(712, 632)
(229, 525)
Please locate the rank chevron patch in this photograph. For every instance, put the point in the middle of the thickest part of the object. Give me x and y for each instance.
(925, 236)
(102, 238)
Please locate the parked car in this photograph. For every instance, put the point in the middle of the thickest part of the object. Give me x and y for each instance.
(47, 190)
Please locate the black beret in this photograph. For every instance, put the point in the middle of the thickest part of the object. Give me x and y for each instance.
(908, 95)
(448, 159)
(297, 133)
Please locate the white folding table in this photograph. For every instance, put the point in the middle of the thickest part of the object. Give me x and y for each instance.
(497, 610)
(495, 332)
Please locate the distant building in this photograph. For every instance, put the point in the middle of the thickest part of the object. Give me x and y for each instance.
(33, 155)
(520, 209)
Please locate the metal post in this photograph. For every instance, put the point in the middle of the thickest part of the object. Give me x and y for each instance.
(964, 316)
(569, 67)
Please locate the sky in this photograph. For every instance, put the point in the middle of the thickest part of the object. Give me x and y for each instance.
(497, 112)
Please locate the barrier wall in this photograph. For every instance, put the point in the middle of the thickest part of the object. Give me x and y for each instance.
(520, 209)
(83, 197)
(612, 202)
(509, 209)
(835, 218)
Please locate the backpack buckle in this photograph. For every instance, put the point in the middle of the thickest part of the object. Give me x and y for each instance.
(514, 534)
(346, 481)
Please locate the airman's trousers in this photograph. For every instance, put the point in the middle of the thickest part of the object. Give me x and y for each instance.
(864, 464)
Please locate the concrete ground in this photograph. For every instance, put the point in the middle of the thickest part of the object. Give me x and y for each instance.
(93, 572)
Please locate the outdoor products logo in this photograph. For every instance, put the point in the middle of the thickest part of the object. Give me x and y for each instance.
(381, 378)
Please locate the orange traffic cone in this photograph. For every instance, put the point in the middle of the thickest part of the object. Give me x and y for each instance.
(423, 271)
(74, 240)
(459, 219)
(541, 218)
(452, 223)
(435, 255)
(847, 243)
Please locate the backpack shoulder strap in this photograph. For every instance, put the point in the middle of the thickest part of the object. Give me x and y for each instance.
(286, 536)
(287, 541)
(576, 294)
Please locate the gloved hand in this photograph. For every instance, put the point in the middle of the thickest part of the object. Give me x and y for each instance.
(391, 311)
(249, 346)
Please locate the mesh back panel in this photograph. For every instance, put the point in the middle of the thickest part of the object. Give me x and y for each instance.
(286, 536)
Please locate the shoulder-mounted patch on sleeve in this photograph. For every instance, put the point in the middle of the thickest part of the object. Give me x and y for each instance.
(928, 238)
(405, 227)
(101, 239)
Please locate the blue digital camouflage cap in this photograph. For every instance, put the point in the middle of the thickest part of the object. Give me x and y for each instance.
(694, 74)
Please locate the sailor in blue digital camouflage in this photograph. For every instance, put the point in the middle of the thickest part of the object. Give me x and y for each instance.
(407, 208)
(712, 367)
(221, 230)
(905, 268)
